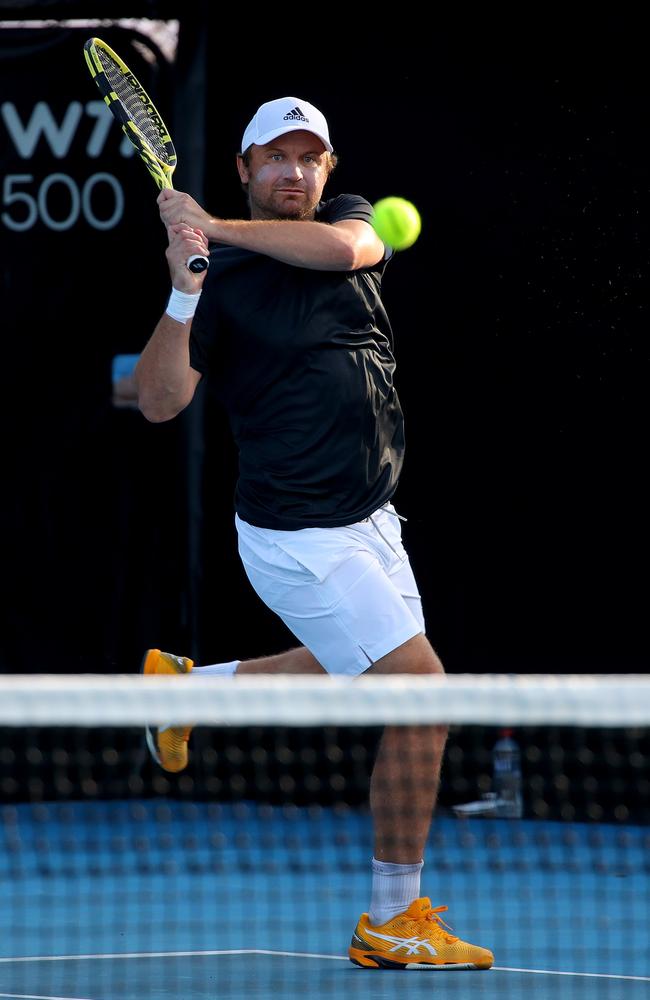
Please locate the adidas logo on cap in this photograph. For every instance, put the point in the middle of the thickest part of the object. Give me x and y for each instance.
(295, 115)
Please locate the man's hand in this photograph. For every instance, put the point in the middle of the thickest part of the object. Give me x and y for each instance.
(176, 207)
(183, 242)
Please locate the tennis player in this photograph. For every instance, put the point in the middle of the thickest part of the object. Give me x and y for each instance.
(289, 327)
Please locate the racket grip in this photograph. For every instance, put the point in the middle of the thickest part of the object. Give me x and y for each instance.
(197, 263)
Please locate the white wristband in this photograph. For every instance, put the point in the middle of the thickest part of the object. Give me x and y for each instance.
(182, 305)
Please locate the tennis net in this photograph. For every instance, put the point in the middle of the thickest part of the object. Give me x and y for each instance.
(245, 873)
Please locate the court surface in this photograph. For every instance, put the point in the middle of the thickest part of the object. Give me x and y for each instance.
(159, 899)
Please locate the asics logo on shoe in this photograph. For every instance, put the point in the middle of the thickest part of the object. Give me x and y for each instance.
(295, 115)
(177, 659)
(410, 944)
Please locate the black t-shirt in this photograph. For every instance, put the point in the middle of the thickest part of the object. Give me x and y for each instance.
(302, 361)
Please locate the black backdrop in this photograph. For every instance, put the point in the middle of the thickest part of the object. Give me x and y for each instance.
(521, 326)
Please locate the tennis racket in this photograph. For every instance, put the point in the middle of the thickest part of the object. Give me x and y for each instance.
(130, 104)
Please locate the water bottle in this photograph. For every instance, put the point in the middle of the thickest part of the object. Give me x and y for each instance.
(507, 781)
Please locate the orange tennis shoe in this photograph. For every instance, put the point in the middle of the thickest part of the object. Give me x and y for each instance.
(169, 747)
(414, 939)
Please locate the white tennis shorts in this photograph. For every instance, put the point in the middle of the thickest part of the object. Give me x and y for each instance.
(348, 594)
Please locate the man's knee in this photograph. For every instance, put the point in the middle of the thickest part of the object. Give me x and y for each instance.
(415, 656)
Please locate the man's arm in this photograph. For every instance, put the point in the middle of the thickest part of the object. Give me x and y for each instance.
(342, 246)
(165, 381)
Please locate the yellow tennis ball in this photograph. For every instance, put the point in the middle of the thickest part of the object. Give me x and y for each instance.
(397, 222)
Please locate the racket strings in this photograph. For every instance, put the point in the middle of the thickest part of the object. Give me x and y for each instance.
(138, 107)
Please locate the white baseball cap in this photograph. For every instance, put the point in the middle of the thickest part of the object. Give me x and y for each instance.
(286, 114)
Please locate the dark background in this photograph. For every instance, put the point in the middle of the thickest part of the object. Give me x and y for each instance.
(520, 318)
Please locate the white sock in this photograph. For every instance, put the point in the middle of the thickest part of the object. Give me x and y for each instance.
(394, 887)
(220, 669)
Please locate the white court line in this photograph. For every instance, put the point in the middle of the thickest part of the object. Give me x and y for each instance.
(37, 996)
(281, 954)
(170, 954)
(588, 975)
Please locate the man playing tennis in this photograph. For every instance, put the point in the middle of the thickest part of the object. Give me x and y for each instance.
(289, 326)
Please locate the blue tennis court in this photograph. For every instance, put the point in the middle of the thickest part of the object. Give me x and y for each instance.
(108, 900)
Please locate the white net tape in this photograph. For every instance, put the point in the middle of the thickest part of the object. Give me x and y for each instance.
(305, 700)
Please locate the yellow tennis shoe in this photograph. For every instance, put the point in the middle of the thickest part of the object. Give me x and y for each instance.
(416, 938)
(169, 747)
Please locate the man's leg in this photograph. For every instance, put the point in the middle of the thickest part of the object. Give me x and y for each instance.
(403, 792)
(406, 774)
(401, 927)
(349, 595)
(293, 661)
(168, 746)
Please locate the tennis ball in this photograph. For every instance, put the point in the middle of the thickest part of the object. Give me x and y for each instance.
(397, 222)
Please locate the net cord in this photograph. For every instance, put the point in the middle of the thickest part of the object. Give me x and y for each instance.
(306, 700)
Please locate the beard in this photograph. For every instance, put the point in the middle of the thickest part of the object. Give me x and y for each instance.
(266, 207)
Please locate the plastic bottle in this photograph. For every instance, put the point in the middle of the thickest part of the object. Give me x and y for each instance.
(507, 779)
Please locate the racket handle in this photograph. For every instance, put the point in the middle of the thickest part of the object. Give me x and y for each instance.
(197, 263)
